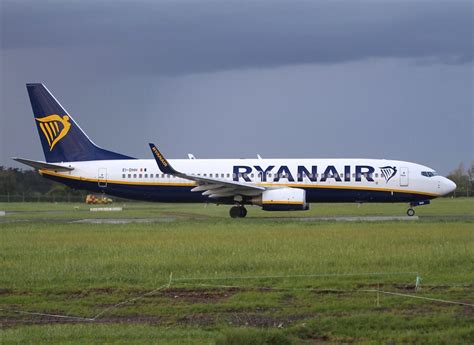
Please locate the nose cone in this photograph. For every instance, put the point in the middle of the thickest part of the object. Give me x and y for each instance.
(447, 186)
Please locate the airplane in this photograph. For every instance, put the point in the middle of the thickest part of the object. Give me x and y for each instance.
(273, 184)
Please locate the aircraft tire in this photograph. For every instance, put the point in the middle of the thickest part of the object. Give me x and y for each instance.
(235, 212)
(410, 212)
(243, 212)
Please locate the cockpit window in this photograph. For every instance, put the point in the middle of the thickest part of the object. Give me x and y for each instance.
(429, 173)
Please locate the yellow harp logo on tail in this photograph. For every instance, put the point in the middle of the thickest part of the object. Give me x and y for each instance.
(54, 128)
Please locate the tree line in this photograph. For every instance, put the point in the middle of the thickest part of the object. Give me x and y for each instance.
(19, 182)
(30, 185)
(464, 179)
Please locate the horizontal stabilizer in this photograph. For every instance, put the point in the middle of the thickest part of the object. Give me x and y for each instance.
(42, 165)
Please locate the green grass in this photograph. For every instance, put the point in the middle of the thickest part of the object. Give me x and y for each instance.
(80, 269)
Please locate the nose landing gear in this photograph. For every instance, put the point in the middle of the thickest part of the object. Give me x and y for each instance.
(238, 212)
(411, 211)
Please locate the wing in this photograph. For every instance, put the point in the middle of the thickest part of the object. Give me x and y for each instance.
(213, 187)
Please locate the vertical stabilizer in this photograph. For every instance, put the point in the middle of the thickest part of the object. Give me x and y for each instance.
(62, 139)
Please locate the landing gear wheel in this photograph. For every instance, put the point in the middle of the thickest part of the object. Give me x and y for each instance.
(410, 212)
(238, 212)
(234, 212)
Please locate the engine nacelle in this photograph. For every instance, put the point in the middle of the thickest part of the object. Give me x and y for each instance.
(284, 199)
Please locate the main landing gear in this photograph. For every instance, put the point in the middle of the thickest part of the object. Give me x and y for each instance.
(410, 212)
(238, 212)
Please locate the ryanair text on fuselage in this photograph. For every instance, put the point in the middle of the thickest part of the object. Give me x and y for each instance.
(273, 174)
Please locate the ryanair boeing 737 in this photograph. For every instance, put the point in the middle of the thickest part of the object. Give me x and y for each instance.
(274, 184)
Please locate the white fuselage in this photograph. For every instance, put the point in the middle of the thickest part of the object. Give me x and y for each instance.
(360, 178)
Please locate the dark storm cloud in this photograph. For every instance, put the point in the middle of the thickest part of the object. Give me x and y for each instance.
(180, 37)
(232, 78)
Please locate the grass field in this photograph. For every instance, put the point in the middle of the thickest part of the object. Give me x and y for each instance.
(194, 276)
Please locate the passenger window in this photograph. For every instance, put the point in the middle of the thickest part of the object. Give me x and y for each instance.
(123, 175)
(228, 175)
(251, 175)
(134, 175)
(129, 175)
(146, 175)
(140, 175)
(210, 175)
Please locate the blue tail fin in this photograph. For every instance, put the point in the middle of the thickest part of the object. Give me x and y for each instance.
(62, 139)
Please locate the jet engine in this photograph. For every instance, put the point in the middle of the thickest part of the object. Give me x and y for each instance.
(282, 199)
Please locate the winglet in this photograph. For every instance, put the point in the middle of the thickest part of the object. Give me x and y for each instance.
(163, 164)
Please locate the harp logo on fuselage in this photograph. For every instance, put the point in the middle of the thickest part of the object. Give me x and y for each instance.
(388, 172)
(54, 128)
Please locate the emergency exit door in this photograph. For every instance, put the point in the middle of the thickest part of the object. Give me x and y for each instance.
(102, 177)
(403, 177)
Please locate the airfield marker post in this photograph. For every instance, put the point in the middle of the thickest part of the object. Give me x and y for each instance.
(418, 281)
(378, 294)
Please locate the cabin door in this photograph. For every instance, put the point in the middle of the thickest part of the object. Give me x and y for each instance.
(403, 177)
(102, 177)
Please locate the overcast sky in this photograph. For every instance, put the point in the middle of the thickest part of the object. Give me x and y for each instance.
(223, 79)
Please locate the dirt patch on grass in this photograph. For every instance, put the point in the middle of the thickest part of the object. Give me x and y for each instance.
(48, 320)
(5, 291)
(194, 319)
(199, 295)
(329, 292)
(198, 319)
(466, 311)
(262, 320)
